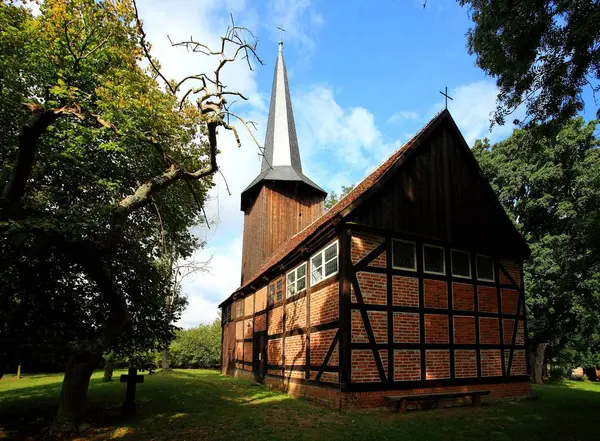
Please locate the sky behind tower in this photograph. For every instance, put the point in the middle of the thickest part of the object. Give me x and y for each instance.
(364, 77)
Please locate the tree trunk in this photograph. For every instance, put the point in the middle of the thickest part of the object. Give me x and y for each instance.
(166, 366)
(108, 371)
(73, 394)
(537, 356)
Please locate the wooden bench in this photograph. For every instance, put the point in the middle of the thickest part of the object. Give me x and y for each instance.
(399, 401)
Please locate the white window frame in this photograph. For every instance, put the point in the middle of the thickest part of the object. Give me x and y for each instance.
(493, 279)
(470, 276)
(414, 254)
(324, 262)
(443, 260)
(295, 283)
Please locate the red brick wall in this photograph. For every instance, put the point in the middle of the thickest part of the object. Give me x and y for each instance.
(260, 322)
(248, 328)
(406, 328)
(275, 321)
(491, 363)
(488, 299)
(239, 350)
(489, 332)
(407, 365)
(465, 363)
(463, 296)
(519, 364)
(261, 299)
(249, 305)
(274, 349)
(437, 364)
(509, 325)
(378, 321)
(464, 330)
(239, 330)
(436, 328)
(435, 293)
(359, 332)
(324, 304)
(295, 314)
(295, 350)
(372, 287)
(405, 291)
(363, 244)
(375, 398)
(320, 342)
(364, 368)
(383, 354)
(294, 374)
(513, 270)
(510, 299)
(248, 351)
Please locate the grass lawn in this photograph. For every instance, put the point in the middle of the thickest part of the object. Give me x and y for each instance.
(203, 405)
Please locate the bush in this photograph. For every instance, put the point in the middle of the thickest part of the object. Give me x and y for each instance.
(198, 347)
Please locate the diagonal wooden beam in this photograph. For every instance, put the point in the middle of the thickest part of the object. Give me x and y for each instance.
(328, 355)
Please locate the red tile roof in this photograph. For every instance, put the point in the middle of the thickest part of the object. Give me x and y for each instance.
(325, 220)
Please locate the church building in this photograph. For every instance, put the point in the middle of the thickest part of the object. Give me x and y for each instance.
(412, 283)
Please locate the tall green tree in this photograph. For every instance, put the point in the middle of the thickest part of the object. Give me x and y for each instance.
(198, 347)
(543, 53)
(333, 198)
(550, 185)
(102, 160)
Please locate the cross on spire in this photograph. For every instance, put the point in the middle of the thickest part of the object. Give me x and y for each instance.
(281, 31)
(447, 96)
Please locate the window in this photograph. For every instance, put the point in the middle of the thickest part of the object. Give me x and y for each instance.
(461, 264)
(275, 292)
(240, 308)
(485, 268)
(404, 255)
(226, 314)
(296, 280)
(324, 264)
(433, 259)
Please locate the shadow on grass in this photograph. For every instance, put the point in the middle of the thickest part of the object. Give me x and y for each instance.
(203, 405)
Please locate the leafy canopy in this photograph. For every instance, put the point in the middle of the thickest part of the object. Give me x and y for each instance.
(542, 53)
(550, 185)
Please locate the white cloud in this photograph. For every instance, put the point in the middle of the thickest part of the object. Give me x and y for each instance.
(300, 20)
(403, 115)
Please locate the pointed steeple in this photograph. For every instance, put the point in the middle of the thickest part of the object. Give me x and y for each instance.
(281, 159)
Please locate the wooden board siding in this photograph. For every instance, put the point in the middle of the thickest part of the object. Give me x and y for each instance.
(438, 194)
(280, 210)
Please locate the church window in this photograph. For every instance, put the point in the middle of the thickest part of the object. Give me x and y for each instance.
(275, 292)
(461, 264)
(240, 308)
(433, 259)
(324, 264)
(404, 255)
(485, 268)
(296, 280)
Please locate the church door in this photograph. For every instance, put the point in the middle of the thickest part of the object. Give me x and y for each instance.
(260, 356)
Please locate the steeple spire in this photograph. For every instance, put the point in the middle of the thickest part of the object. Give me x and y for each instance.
(281, 156)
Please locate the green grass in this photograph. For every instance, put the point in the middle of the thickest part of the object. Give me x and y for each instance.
(203, 405)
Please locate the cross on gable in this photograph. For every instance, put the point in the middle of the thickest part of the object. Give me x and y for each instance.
(447, 96)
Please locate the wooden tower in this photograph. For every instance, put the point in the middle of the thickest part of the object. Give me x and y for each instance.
(281, 201)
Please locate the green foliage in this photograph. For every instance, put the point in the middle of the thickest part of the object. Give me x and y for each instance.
(198, 347)
(333, 198)
(543, 53)
(114, 128)
(550, 185)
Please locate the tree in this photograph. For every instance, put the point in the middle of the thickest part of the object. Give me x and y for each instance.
(550, 185)
(101, 158)
(332, 198)
(198, 347)
(542, 53)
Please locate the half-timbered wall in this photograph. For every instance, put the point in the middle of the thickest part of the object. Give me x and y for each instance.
(302, 331)
(280, 210)
(414, 329)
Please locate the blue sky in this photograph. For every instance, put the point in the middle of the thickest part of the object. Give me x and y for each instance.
(364, 77)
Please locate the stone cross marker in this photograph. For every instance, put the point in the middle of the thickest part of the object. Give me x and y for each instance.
(132, 378)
